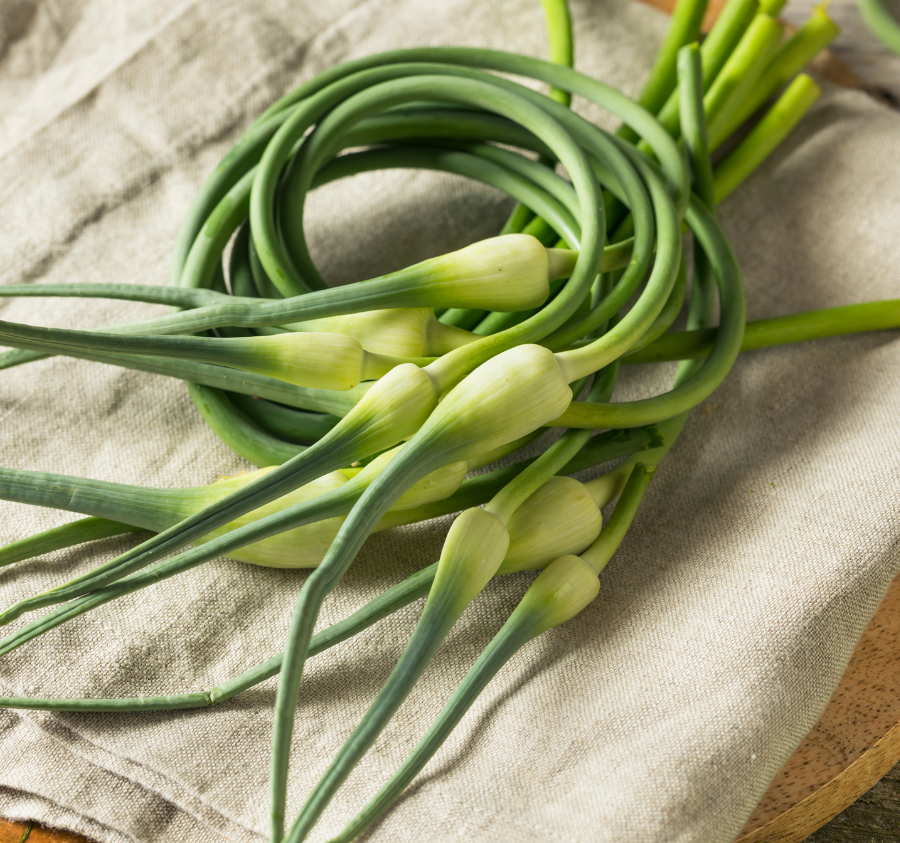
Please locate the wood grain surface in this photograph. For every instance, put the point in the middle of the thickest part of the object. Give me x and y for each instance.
(12, 832)
(857, 740)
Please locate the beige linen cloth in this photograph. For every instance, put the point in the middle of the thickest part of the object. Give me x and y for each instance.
(662, 712)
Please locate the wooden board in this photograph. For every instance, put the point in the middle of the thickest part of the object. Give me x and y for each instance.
(855, 742)
(857, 739)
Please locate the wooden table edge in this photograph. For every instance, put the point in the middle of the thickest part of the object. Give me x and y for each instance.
(811, 813)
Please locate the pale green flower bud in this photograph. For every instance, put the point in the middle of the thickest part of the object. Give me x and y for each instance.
(302, 547)
(393, 408)
(435, 486)
(506, 273)
(562, 590)
(472, 552)
(561, 517)
(505, 398)
(398, 332)
(320, 361)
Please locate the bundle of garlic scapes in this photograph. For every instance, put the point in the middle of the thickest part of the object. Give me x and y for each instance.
(366, 406)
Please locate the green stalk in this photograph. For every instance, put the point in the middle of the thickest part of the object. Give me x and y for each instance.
(684, 28)
(603, 447)
(287, 423)
(473, 551)
(694, 389)
(373, 504)
(243, 435)
(559, 41)
(599, 553)
(780, 330)
(766, 135)
(817, 32)
(721, 43)
(122, 292)
(739, 75)
(62, 537)
(881, 23)
(146, 508)
(486, 409)
(524, 624)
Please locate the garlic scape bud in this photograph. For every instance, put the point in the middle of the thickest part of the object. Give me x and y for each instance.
(473, 550)
(319, 361)
(315, 360)
(561, 517)
(506, 273)
(396, 332)
(305, 546)
(505, 398)
(299, 547)
(561, 591)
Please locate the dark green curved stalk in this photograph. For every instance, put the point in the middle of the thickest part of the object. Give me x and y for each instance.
(670, 310)
(694, 389)
(243, 435)
(708, 264)
(287, 423)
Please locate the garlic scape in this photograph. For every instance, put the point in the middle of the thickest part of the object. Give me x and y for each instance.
(388, 412)
(531, 542)
(300, 526)
(477, 545)
(315, 360)
(559, 593)
(474, 548)
(509, 272)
